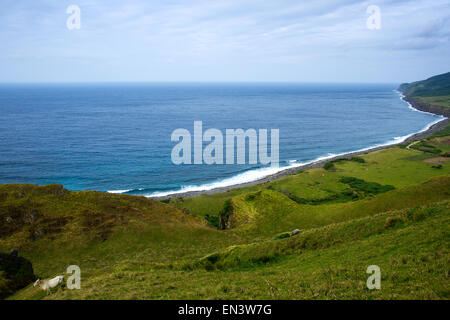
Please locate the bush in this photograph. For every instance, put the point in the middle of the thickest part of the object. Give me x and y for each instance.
(329, 165)
(213, 220)
(295, 198)
(393, 221)
(15, 273)
(213, 258)
(283, 235)
(370, 188)
(209, 266)
(225, 215)
(6, 285)
(358, 159)
(426, 145)
(252, 196)
(266, 258)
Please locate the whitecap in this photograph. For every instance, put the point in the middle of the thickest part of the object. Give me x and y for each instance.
(118, 191)
(258, 174)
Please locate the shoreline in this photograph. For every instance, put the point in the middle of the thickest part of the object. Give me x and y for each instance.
(435, 127)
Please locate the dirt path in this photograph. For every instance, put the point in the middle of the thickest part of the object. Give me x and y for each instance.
(411, 144)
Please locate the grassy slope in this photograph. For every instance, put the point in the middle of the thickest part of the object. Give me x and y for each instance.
(329, 262)
(443, 101)
(434, 91)
(398, 167)
(99, 230)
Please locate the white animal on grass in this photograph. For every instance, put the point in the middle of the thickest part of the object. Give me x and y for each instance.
(49, 284)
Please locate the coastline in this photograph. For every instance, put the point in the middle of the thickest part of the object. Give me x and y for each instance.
(420, 106)
(429, 130)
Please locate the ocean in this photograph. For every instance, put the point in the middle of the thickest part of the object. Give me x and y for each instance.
(117, 137)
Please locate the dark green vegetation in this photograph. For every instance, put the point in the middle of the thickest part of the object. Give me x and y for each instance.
(15, 273)
(330, 165)
(389, 208)
(432, 87)
(426, 147)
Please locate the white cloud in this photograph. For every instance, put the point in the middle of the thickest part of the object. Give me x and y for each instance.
(223, 40)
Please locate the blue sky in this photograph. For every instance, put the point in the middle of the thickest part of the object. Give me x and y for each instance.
(215, 40)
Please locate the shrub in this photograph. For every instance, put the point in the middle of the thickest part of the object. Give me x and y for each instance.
(370, 188)
(393, 221)
(6, 285)
(358, 159)
(15, 273)
(213, 258)
(225, 215)
(434, 151)
(213, 220)
(283, 235)
(329, 166)
(209, 266)
(252, 196)
(295, 198)
(426, 145)
(266, 258)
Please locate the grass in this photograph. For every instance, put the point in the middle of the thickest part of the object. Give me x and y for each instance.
(324, 237)
(434, 91)
(388, 208)
(436, 86)
(324, 263)
(396, 167)
(443, 101)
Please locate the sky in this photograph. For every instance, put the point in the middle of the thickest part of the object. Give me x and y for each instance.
(215, 40)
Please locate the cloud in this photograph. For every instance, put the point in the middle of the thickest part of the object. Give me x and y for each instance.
(219, 40)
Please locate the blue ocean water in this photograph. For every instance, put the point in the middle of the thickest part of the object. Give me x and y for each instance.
(116, 137)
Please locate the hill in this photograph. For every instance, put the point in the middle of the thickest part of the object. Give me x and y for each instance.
(435, 86)
(431, 95)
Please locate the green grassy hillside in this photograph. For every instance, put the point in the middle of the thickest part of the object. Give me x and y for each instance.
(410, 246)
(435, 86)
(432, 91)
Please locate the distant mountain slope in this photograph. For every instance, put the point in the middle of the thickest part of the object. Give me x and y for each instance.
(435, 86)
(430, 95)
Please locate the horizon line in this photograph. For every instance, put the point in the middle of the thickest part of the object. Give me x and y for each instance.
(195, 82)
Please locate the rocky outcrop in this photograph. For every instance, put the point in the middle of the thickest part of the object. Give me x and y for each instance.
(15, 273)
(226, 216)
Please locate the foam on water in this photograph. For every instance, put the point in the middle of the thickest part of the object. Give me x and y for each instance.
(116, 137)
(119, 191)
(258, 174)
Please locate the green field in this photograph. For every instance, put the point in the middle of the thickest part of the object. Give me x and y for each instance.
(388, 208)
(443, 101)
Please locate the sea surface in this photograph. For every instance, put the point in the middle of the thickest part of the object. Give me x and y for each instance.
(117, 137)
